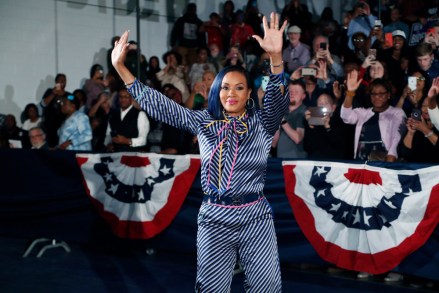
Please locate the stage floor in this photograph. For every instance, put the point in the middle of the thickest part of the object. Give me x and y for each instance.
(117, 267)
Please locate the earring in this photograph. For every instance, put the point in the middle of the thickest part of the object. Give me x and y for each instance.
(250, 104)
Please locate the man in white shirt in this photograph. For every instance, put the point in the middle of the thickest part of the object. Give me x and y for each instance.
(128, 127)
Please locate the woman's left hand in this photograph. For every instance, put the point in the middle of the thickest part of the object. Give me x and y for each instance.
(273, 35)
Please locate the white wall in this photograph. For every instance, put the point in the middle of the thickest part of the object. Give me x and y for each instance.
(40, 38)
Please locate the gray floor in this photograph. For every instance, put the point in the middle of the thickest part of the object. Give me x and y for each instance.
(116, 268)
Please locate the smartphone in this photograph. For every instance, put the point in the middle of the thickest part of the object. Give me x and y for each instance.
(377, 24)
(264, 82)
(307, 71)
(388, 39)
(317, 114)
(412, 82)
(416, 114)
(373, 52)
(58, 86)
(323, 45)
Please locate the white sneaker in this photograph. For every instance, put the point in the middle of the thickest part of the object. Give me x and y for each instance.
(393, 277)
(363, 275)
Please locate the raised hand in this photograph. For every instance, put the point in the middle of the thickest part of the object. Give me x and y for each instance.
(352, 82)
(434, 89)
(118, 56)
(273, 36)
(120, 50)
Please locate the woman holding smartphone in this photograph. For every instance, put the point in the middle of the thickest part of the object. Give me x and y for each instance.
(420, 142)
(413, 93)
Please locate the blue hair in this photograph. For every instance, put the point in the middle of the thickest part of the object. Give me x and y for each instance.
(215, 107)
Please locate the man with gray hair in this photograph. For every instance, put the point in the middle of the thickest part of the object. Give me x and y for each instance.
(296, 53)
(37, 138)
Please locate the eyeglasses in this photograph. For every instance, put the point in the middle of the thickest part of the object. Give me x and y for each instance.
(358, 40)
(378, 94)
(420, 78)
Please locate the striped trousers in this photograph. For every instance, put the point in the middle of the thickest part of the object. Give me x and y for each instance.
(230, 233)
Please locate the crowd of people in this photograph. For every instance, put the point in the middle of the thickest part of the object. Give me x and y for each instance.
(362, 89)
(237, 87)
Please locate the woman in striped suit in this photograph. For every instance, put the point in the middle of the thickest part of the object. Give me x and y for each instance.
(235, 222)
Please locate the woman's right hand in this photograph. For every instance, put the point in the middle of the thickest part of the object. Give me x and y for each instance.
(352, 83)
(120, 50)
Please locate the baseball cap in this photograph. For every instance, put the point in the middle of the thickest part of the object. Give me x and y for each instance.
(294, 29)
(399, 33)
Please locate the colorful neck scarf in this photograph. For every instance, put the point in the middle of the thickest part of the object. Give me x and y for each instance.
(235, 126)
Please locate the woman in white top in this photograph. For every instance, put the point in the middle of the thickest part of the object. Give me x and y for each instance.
(32, 117)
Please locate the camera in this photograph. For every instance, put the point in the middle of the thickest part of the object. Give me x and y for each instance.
(416, 114)
(323, 45)
(308, 71)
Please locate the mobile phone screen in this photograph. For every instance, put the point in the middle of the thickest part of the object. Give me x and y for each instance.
(388, 39)
(412, 83)
(264, 83)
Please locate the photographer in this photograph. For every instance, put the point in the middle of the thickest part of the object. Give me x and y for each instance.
(327, 136)
(420, 143)
(315, 79)
(413, 93)
(321, 51)
(362, 21)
